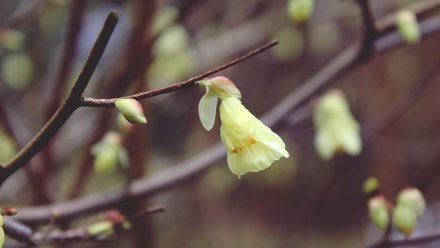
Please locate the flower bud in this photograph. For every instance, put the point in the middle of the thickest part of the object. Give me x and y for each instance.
(221, 86)
(407, 26)
(131, 109)
(413, 198)
(378, 212)
(371, 185)
(404, 219)
(300, 10)
(9, 211)
(101, 228)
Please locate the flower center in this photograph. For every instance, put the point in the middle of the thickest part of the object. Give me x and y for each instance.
(249, 142)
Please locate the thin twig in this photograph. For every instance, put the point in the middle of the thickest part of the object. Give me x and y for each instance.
(72, 102)
(187, 84)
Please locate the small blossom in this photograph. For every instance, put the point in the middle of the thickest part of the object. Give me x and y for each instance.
(300, 10)
(412, 198)
(251, 145)
(378, 212)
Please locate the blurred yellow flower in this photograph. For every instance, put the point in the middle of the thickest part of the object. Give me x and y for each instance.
(336, 128)
(251, 145)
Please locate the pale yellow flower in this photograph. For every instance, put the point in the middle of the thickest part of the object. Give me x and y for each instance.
(336, 128)
(251, 145)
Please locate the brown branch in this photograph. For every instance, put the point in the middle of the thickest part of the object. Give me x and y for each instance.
(18, 231)
(421, 239)
(72, 102)
(187, 84)
(72, 37)
(370, 31)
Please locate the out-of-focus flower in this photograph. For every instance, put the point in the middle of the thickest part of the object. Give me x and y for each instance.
(251, 145)
(336, 128)
(109, 154)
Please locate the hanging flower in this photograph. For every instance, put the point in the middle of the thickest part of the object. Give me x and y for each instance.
(336, 128)
(251, 145)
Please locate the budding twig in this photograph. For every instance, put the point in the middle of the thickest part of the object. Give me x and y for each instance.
(187, 84)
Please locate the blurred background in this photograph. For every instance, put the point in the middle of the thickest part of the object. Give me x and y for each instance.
(301, 201)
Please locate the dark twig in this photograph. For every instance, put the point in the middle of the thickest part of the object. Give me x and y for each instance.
(370, 31)
(18, 231)
(72, 102)
(187, 84)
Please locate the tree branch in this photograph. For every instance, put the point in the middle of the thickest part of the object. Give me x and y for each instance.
(187, 84)
(72, 102)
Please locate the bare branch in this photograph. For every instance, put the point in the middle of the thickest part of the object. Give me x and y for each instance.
(71, 103)
(187, 84)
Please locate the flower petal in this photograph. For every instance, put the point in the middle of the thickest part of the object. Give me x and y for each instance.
(207, 109)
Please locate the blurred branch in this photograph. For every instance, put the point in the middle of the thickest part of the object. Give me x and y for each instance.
(190, 168)
(370, 31)
(187, 84)
(18, 231)
(421, 9)
(71, 103)
(426, 238)
(29, 13)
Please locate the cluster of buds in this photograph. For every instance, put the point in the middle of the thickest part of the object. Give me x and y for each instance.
(336, 128)
(108, 224)
(410, 205)
(251, 146)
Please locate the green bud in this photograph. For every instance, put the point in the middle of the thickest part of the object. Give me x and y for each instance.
(1, 220)
(300, 10)
(407, 26)
(370, 185)
(404, 219)
(412, 197)
(131, 109)
(378, 212)
(101, 228)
